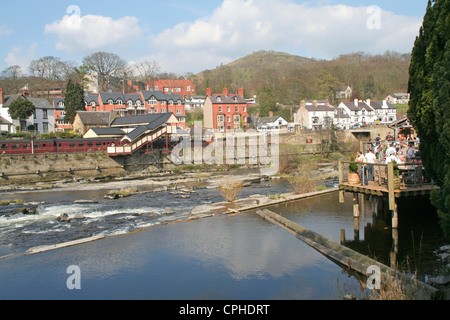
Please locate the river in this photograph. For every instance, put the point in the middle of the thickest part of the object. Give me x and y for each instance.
(232, 257)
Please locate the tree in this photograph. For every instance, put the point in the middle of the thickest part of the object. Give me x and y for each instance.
(13, 77)
(73, 101)
(429, 108)
(21, 109)
(106, 65)
(147, 71)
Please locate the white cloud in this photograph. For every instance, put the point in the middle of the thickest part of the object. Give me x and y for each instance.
(87, 34)
(239, 27)
(21, 57)
(6, 31)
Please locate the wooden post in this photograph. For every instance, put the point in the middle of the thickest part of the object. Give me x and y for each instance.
(391, 186)
(341, 180)
(355, 205)
(394, 217)
(342, 236)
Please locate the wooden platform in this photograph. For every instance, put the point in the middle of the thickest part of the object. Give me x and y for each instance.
(374, 188)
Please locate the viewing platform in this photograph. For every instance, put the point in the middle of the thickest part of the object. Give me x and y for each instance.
(389, 180)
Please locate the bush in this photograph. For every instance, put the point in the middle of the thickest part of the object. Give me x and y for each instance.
(230, 190)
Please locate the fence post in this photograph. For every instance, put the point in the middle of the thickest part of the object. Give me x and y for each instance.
(341, 180)
(391, 186)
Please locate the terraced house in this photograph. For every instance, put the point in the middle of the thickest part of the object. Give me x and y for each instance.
(140, 103)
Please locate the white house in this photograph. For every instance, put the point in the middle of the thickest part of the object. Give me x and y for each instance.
(384, 112)
(195, 102)
(315, 115)
(398, 98)
(272, 123)
(43, 119)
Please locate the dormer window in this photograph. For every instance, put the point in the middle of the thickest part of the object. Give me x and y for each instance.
(219, 98)
(110, 101)
(171, 102)
(152, 101)
(61, 104)
(119, 101)
(138, 103)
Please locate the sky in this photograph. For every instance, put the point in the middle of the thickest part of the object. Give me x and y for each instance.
(192, 36)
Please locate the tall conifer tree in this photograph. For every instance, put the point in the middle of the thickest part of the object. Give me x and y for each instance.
(73, 101)
(429, 108)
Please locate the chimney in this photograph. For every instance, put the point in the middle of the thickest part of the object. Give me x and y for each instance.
(208, 91)
(368, 102)
(270, 113)
(356, 102)
(225, 92)
(2, 96)
(25, 93)
(241, 92)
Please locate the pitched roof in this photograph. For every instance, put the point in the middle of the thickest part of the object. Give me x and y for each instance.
(114, 96)
(155, 120)
(379, 105)
(266, 120)
(107, 131)
(39, 103)
(133, 97)
(96, 117)
(224, 99)
(320, 107)
(160, 96)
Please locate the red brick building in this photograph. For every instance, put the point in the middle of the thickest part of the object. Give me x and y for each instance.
(225, 112)
(185, 88)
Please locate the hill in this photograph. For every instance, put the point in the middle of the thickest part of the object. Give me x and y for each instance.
(292, 78)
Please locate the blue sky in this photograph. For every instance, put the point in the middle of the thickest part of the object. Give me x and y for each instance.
(193, 36)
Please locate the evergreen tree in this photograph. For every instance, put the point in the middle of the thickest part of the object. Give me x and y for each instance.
(21, 109)
(429, 109)
(73, 101)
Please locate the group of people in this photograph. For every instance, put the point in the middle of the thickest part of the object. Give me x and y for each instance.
(399, 152)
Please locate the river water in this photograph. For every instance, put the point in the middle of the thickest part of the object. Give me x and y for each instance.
(220, 257)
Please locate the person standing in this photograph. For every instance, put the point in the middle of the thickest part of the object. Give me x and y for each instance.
(370, 159)
(363, 174)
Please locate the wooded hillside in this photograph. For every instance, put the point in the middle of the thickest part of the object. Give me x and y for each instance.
(292, 78)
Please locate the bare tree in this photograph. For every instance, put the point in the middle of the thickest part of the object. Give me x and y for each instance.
(12, 79)
(147, 71)
(106, 65)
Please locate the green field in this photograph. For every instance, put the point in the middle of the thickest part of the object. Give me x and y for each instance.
(402, 109)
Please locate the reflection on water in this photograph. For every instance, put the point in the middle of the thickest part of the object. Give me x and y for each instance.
(409, 248)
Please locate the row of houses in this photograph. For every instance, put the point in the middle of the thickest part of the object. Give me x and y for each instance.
(319, 114)
(49, 117)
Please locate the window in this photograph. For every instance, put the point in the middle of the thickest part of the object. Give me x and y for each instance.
(177, 89)
(44, 114)
(110, 101)
(130, 103)
(45, 127)
(237, 118)
(138, 103)
(236, 108)
(152, 101)
(219, 98)
(188, 88)
(220, 118)
(178, 111)
(61, 104)
(170, 102)
(228, 108)
(163, 110)
(119, 101)
(166, 89)
(228, 119)
(244, 108)
(220, 108)
(156, 88)
(179, 102)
